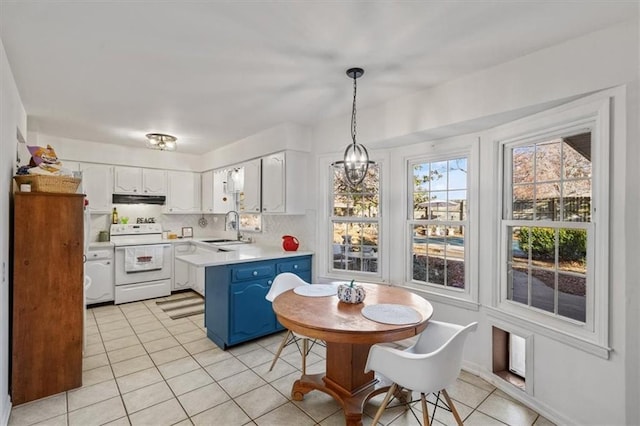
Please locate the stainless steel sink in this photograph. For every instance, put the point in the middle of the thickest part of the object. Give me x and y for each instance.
(223, 242)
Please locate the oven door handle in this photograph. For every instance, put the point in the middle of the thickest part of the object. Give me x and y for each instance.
(143, 245)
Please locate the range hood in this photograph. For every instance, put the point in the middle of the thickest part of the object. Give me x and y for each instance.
(138, 199)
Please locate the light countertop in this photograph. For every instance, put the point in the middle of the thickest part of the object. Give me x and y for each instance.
(237, 253)
(220, 254)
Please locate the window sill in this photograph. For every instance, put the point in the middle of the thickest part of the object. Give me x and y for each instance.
(542, 329)
(358, 276)
(443, 298)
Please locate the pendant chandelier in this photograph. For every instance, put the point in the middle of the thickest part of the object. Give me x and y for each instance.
(161, 141)
(356, 157)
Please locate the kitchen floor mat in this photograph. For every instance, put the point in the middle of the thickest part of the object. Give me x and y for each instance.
(191, 304)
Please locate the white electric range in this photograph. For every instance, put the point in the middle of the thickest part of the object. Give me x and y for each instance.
(143, 262)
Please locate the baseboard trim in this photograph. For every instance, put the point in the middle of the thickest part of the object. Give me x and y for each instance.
(516, 393)
(6, 411)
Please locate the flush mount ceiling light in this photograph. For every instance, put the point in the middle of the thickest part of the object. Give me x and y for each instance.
(161, 141)
(356, 158)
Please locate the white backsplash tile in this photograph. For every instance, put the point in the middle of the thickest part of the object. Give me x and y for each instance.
(273, 226)
(175, 223)
(300, 226)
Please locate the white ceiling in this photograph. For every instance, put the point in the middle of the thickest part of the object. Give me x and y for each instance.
(213, 72)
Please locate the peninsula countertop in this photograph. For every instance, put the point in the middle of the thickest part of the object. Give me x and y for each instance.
(236, 253)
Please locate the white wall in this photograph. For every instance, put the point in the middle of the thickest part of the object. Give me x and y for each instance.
(632, 229)
(283, 137)
(495, 95)
(12, 118)
(95, 152)
(570, 386)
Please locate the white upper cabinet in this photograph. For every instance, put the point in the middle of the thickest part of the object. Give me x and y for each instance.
(154, 182)
(273, 188)
(222, 201)
(272, 184)
(250, 201)
(127, 180)
(283, 182)
(207, 191)
(183, 195)
(97, 184)
(138, 181)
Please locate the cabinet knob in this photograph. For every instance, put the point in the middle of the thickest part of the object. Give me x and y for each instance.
(257, 210)
(108, 263)
(135, 190)
(295, 266)
(255, 273)
(270, 282)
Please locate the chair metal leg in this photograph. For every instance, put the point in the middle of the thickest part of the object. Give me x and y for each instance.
(305, 344)
(282, 345)
(425, 410)
(452, 407)
(385, 402)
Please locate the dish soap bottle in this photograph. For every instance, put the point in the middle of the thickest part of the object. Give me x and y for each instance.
(114, 216)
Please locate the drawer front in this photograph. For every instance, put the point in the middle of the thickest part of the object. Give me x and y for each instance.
(252, 272)
(99, 254)
(295, 266)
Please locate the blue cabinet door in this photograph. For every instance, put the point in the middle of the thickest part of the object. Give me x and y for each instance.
(251, 314)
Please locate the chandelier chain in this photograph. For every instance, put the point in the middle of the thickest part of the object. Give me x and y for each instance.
(353, 111)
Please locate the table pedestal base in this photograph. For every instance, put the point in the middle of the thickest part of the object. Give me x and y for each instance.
(352, 402)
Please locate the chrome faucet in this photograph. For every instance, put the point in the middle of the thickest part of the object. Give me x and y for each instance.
(237, 223)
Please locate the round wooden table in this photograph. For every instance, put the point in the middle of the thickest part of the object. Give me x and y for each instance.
(349, 336)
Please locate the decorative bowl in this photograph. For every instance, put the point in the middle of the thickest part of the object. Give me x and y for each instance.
(349, 293)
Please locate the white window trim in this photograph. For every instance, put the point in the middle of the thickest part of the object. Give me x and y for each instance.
(467, 298)
(593, 112)
(324, 258)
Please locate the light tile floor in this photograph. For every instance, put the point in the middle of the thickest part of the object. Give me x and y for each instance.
(143, 368)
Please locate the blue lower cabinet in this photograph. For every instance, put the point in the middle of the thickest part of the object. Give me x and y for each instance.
(236, 309)
(251, 317)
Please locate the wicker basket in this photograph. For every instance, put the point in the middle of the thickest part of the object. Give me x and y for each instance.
(45, 183)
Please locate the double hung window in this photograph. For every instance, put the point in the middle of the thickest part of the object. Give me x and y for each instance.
(548, 223)
(554, 240)
(438, 222)
(355, 223)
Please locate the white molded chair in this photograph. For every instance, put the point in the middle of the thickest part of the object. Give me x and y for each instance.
(429, 366)
(283, 282)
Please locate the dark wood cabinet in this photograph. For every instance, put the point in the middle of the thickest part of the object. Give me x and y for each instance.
(47, 295)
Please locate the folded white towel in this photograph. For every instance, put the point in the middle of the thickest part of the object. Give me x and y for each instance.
(142, 258)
